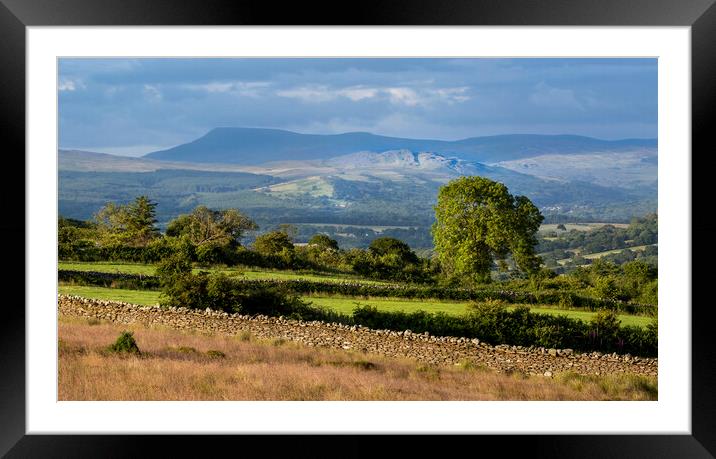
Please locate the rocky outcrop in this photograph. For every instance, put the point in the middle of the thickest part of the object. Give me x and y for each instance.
(438, 350)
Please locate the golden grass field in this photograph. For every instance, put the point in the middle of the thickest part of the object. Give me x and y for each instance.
(175, 365)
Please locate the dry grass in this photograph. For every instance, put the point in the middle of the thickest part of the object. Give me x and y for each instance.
(182, 366)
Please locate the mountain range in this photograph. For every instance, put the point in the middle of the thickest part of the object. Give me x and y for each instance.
(363, 179)
(257, 146)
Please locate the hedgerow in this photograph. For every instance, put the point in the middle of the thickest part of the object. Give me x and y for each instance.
(357, 289)
(490, 321)
(497, 325)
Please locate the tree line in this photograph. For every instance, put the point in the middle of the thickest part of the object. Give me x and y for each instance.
(479, 229)
(641, 231)
(478, 223)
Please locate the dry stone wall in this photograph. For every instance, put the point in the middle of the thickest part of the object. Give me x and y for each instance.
(437, 350)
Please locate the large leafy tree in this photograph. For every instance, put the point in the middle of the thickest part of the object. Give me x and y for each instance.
(395, 248)
(479, 222)
(273, 243)
(278, 245)
(205, 227)
(323, 251)
(131, 224)
(323, 242)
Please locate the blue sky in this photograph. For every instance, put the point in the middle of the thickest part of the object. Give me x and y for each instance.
(133, 106)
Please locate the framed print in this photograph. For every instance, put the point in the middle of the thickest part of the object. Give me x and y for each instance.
(256, 224)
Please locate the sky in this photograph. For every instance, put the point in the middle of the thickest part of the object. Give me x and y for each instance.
(135, 106)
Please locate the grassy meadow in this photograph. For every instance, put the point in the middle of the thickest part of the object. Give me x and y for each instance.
(175, 365)
(549, 227)
(341, 304)
(597, 255)
(143, 297)
(250, 273)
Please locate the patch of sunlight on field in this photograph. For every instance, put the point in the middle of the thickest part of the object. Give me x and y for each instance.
(639, 321)
(344, 305)
(637, 248)
(579, 226)
(143, 297)
(107, 267)
(312, 186)
(594, 256)
(255, 274)
(146, 269)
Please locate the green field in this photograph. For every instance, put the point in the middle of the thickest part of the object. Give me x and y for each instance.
(547, 227)
(594, 256)
(138, 268)
(108, 267)
(312, 186)
(346, 305)
(288, 275)
(376, 228)
(143, 297)
(343, 305)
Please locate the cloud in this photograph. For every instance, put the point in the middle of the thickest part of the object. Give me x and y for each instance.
(323, 93)
(67, 84)
(398, 95)
(357, 93)
(404, 96)
(239, 88)
(152, 92)
(452, 95)
(427, 96)
(214, 87)
(310, 93)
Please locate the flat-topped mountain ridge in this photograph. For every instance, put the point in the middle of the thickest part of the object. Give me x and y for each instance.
(250, 146)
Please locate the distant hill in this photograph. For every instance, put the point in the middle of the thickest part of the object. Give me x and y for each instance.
(392, 188)
(249, 146)
(406, 161)
(89, 161)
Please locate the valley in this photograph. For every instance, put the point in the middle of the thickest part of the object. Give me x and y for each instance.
(570, 179)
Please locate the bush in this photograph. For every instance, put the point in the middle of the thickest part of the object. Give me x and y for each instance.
(323, 242)
(607, 287)
(110, 280)
(177, 264)
(223, 293)
(125, 344)
(566, 300)
(275, 243)
(650, 293)
(270, 301)
(246, 257)
(186, 290)
(604, 328)
(208, 254)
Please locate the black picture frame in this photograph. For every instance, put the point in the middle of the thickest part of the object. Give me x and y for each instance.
(16, 15)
